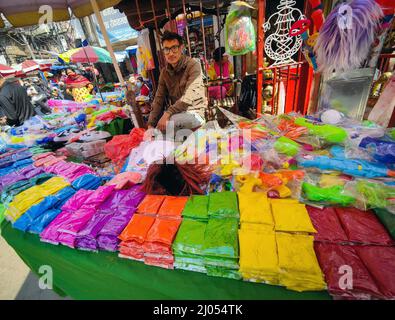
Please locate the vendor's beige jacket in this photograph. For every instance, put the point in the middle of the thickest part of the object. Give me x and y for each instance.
(183, 88)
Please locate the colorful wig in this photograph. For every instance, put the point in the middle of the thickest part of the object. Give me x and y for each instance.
(347, 35)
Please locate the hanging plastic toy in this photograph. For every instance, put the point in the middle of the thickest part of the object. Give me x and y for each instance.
(301, 28)
(317, 15)
(239, 30)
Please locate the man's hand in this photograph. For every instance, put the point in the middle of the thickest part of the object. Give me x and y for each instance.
(3, 121)
(163, 122)
(149, 134)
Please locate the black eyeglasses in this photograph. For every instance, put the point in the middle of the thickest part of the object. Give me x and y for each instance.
(173, 49)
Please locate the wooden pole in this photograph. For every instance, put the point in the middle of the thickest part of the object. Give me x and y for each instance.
(107, 40)
(111, 51)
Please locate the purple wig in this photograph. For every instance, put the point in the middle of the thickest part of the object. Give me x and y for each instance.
(346, 36)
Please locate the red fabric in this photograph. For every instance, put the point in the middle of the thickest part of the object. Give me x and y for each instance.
(74, 80)
(380, 262)
(30, 65)
(327, 225)
(363, 227)
(388, 6)
(331, 258)
(172, 206)
(144, 91)
(111, 115)
(6, 70)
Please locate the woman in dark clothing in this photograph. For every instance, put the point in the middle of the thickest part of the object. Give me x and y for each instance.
(15, 104)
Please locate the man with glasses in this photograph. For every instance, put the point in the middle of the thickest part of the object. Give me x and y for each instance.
(181, 83)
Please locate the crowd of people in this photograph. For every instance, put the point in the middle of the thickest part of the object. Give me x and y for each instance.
(180, 94)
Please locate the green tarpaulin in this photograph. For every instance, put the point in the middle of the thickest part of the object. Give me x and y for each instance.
(89, 275)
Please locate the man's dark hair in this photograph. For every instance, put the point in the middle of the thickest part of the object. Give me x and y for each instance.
(167, 35)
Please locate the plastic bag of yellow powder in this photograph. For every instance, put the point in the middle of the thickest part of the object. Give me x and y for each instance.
(291, 216)
(258, 256)
(254, 207)
(299, 268)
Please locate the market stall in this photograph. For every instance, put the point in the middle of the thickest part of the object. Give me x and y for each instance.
(85, 275)
(211, 225)
(281, 206)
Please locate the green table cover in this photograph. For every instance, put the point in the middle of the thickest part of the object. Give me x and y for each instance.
(2, 210)
(223, 272)
(387, 219)
(89, 275)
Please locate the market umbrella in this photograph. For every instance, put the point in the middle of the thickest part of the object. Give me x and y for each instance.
(86, 55)
(89, 55)
(22, 13)
(6, 70)
(33, 65)
(29, 65)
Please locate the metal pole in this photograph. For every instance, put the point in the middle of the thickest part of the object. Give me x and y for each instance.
(109, 48)
(187, 30)
(139, 13)
(219, 41)
(297, 78)
(155, 21)
(259, 70)
(84, 29)
(28, 46)
(94, 32)
(204, 37)
(94, 74)
(107, 40)
(173, 26)
(161, 58)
